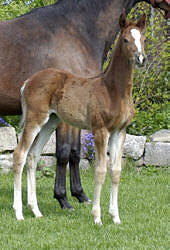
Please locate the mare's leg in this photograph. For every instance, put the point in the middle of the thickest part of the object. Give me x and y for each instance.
(75, 181)
(33, 157)
(101, 138)
(30, 132)
(63, 149)
(115, 147)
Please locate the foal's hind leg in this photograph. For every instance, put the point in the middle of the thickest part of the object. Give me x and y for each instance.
(33, 157)
(20, 155)
(75, 181)
(101, 138)
(115, 146)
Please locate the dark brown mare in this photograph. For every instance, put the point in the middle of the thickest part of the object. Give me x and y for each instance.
(71, 35)
(102, 104)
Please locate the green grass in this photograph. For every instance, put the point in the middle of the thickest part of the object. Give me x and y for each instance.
(143, 212)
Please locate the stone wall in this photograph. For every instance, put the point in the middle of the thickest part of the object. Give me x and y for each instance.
(155, 151)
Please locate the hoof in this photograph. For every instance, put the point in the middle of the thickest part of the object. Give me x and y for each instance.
(96, 215)
(88, 202)
(116, 221)
(38, 215)
(63, 202)
(71, 209)
(35, 211)
(18, 213)
(19, 216)
(98, 221)
(81, 197)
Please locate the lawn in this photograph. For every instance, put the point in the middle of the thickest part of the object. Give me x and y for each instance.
(143, 203)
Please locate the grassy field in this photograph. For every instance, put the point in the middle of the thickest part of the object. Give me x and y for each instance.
(143, 202)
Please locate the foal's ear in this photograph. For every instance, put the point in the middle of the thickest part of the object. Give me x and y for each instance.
(122, 20)
(141, 22)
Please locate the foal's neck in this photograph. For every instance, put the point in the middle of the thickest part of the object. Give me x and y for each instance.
(119, 74)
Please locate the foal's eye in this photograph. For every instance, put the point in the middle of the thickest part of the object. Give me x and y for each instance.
(125, 40)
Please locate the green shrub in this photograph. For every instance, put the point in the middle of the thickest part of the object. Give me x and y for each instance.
(12, 121)
(150, 84)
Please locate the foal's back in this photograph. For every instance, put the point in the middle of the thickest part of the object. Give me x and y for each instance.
(80, 102)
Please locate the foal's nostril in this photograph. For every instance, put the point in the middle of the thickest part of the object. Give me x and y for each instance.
(138, 59)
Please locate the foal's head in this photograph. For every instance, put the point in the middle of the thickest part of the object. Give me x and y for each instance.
(132, 39)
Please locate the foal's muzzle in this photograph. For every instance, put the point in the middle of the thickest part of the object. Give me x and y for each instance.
(140, 59)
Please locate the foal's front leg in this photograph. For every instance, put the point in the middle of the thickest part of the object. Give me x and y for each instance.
(101, 142)
(115, 147)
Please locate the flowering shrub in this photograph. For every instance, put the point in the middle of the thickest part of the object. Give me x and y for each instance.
(88, 146)
(10, 121)
(3, 123)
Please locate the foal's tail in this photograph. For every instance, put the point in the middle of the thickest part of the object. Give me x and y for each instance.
(22, 121)
(23, 105)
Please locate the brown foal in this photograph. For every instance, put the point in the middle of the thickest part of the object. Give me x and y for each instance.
(102, 104)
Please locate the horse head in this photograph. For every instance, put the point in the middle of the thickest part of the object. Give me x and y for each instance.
(162, 4)
(132, 39)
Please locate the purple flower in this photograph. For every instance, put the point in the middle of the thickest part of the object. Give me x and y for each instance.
(3, 122)
(88, 146)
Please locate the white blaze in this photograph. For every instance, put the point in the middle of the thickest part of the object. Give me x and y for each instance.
(137, 37)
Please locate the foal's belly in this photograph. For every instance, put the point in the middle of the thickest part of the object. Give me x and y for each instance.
(73, 108)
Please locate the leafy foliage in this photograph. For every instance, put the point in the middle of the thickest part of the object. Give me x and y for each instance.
(14, 8)
(150, 84)
(10, 121)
